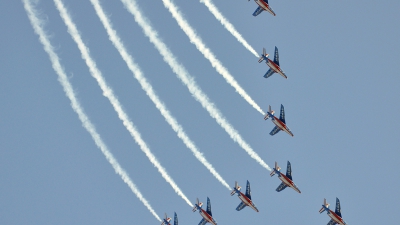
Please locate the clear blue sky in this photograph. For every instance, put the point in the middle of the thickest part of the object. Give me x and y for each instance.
(341, 102)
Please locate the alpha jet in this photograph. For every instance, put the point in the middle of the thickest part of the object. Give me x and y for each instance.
(336, 217)
(287, 180)
(274, 65)
(263, 6)
(280, 124)
(206, 214)
(246, 199)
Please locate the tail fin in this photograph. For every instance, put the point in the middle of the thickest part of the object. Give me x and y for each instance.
(262, 56)
(197, 204)
(235, 188)
(270, 111)
(323, 208)
(165, 220)
(272, 173)
(276, 168)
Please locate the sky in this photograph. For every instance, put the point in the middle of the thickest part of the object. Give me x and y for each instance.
(340, 98)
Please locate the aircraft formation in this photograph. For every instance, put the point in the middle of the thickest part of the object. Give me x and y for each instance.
(280, 124)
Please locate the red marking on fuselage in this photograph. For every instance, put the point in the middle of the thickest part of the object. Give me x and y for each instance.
(279, 123)
(286, 180)
(277, 68)
(247, 200)
(263, 4)
(206, 216)
(336, 217)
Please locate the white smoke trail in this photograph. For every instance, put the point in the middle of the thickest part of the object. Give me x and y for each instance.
(188, 80)
(224, 21)
(108, 92)
(207, 53)
(37, 25)
(146, 86)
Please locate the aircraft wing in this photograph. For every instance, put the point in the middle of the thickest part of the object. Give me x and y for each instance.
(289, 171)
(240, 206)
(258, 11)
(331, 222)
(269, 73)
(275, 130)
(337, 210)
(248, 191)
(281, 187)
(208, 207)
(203, 221)
(282, 115)
(276, 56)
(176, 220)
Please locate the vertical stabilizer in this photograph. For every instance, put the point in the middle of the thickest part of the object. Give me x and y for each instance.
(264, 54)
(198, 204)
(323, 207)
(236, 187)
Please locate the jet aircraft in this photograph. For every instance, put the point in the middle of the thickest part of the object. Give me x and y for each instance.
(336, 217)
(246, 199)
(166, 220)
(263, 5)
(287, 180)
(280, 124)
(274, 65)
(206, 214)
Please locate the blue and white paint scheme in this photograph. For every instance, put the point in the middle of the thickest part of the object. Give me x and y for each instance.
(175, 219)
(206, 214)
(246, 198)
(263, 6)
(336, 217)
(280, 124)
(287, 180)
(274, 65)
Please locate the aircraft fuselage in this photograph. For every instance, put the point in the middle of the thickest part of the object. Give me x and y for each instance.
(247, 201)
(335, 217)
(275, 67)
(207, 216)
(288, 181)
(264, 5)
(281, 125)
